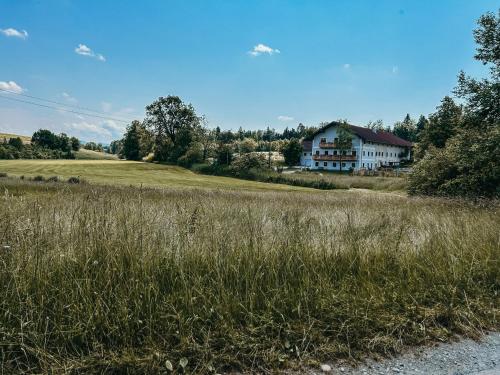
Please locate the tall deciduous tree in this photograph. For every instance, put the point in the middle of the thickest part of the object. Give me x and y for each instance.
(172, 123)
(136, 141)
(406, 129)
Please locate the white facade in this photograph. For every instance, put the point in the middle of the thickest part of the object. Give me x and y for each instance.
(364, 154)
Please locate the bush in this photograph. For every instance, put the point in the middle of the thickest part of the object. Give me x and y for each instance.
(76, 180)
(245, 162)
(38, 178)
(53, 179)
(3, 174)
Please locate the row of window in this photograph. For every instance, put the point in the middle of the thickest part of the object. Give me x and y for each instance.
(380, 153)
(334, 165)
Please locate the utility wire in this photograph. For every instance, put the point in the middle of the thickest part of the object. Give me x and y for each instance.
(56, 102)
(63, 109)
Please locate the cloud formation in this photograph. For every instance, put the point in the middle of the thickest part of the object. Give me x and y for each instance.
(285, 118)
(83, 50)
(11, 86)
(10, 32)
(260, 49)
(69, 98)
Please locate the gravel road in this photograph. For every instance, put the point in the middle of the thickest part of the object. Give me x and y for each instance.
(465, 357)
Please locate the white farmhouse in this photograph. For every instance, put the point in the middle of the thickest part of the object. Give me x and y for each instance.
(371, 149)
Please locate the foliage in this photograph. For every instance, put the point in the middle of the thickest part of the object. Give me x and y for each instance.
(344, 141)
(137, 142)
(467, 162)
(173, 124)
(231, 281)
(246, 162)
(247, 145)
(224, 154)
(292, 151)
(406, 129)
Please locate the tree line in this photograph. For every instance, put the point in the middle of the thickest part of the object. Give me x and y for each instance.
(44, 145)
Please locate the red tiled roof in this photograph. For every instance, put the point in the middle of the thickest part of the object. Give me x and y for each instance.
(370, 135)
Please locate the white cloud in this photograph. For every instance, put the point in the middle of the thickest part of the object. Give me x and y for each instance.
(69, 98)
(83, 50)
(10, 32)
(106, 106)
(260, 48)
(11, 86)
(105, 131)
(347, 66)
(285, 118)
(395, 69)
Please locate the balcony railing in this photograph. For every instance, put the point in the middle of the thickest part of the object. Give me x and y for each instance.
(335, 157)
(327, 145)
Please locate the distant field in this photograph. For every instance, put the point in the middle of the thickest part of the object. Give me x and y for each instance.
(116, 172)
(25, 138)
(94, 155)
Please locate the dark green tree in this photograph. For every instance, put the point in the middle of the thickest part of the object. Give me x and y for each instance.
(406, 129)
(134, 141)
(442, 125)
(172, 122)
(292, 151)
(75, 143)
(17, 143)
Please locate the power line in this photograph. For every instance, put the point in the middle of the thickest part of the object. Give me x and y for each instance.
(63, 109)
(56, 102)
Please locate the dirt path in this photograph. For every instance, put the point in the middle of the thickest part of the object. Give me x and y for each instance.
(466, 357)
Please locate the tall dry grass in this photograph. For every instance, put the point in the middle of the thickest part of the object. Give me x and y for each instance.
(124, 280)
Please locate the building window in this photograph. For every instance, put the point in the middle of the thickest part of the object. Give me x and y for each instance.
(344, 152)
(335, 140)
(325, 164)
(305, 153)
(363, 153)
(353, 165)
(335, 152)
(386, 154)
(322, 140)
(334, 165)
(353, 152)
(343, 164)
(363, 165)
(317, 152)
(316, 164)
(326, 152)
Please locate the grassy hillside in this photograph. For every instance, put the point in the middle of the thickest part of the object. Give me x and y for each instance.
(83, 154)
(25, 138)
(130, 173)
(120, 280)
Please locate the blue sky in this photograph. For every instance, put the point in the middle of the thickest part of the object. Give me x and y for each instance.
(252, 63)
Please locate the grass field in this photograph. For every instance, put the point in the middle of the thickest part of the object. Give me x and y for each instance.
(119, 172)
(113, 280)
(84, 154)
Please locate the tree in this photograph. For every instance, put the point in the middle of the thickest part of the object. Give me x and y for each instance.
(224, 154)
(17, 143)
(421, 124)
(406, 129)
(75, 143)
(134, 145)
(247, 145)
(292, 151)
(344, 141)
(44, 138)
(467, 162)
(172, 122)
(442, 125)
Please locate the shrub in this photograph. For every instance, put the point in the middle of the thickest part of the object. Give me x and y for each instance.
(38, 178)
(3, 174)
(53, 179)
(75, 180)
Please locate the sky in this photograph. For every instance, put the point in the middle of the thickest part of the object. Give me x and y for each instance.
(249, 63)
